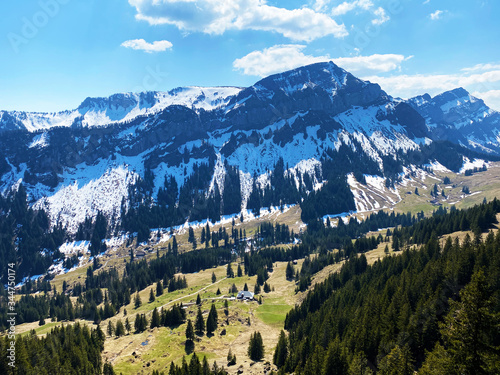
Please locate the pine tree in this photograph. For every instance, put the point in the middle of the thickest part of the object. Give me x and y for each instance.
(470, 328)
(256, 289)
(120, 329)
(239, 272)
(198, 300)
(229, 271)
(218, 292)
(175, 247)
(151, 296)
(289, 271)
(189, 330)
(212, 320)
(127, 325)
(155, 318)
(398, 361)
(159, 288)
(107, 369)
(267, 288)
(137, 300)
(245, 287)
(256, 347)
(281, 352)
(214, 278)
(110, 328)
(199, 324)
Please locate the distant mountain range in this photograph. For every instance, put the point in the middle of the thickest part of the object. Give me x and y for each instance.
(282, 140)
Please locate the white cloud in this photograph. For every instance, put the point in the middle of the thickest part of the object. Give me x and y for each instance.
(491, 98)
(426, 2)
(382, 16)
(436, 15)
(218, 16)
(347, 7)
(407, 86)
(142, 45)
(320, 5)
(285, 57)
(365, 5)
(481, 67)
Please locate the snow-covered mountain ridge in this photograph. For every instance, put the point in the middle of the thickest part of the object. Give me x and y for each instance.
(120, 108)
(287, 137)
(458, 116)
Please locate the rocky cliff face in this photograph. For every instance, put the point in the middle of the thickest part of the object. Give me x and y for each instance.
(303, 117)
(461, 118)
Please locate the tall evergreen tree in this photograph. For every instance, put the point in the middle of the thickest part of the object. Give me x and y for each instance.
(256, 347)
(281, 352)
(159, 288)
(229, 271)
(137, 300)
(199, 324)
(155, 318)
(189, 330)
(120, 329)
(212, 320)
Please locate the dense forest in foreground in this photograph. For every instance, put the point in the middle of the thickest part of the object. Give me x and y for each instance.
(435, 309)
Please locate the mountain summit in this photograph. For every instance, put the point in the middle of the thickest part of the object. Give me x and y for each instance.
(306, 136)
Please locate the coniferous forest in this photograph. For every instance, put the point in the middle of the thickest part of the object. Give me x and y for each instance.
(435, 308)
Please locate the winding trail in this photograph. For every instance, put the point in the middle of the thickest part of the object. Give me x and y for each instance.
(192, 294)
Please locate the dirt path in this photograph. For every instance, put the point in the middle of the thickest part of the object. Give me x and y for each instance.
(192, 294)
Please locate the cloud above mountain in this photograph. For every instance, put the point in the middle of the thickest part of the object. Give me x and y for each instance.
(285, 57)
(218, 16)
(142, 45)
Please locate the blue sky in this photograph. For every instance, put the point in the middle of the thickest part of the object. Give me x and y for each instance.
(55, 53)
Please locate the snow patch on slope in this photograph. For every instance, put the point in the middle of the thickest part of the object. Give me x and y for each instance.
(219, 176)
(73, 203)
(471, 164)
(41, 141)
(374, 195)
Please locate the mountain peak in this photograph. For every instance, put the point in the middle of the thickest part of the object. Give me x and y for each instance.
(325, 75)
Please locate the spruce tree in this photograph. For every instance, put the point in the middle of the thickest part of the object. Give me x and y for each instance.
(239, 272)
(267, 288)
(127, 325)
(212, 320)
(120, 329)
(281, 352)
(229, 271)
(159, 288)
(198, 300)
(256, 347)
(256, 289)
(199, 324)
(289, 271)
(137, 300)
(155, 318)
(151, 296)
(214, 278)
(110, 328)
(189, 330)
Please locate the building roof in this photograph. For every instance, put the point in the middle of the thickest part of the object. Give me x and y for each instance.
(245, 294)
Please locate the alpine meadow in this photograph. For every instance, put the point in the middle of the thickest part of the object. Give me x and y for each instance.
(320, 196)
